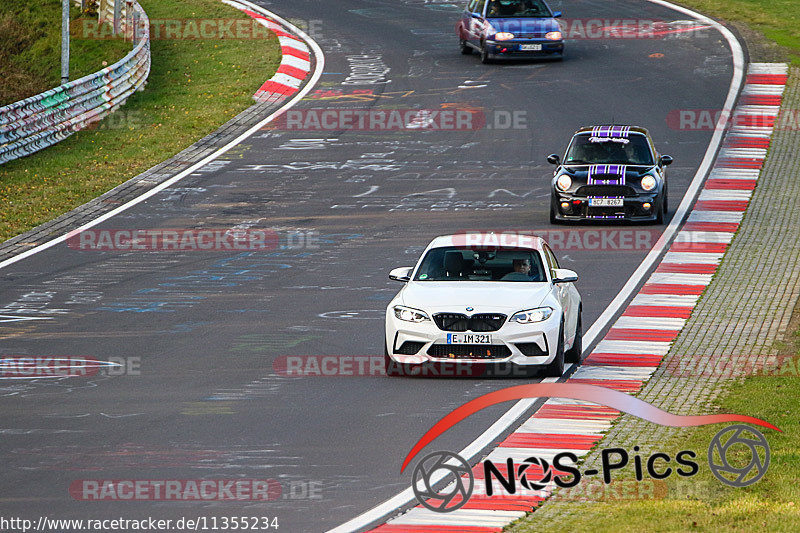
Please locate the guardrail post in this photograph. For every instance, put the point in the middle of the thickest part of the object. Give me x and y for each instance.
(64, 41)
(117, 15)
(128, 20)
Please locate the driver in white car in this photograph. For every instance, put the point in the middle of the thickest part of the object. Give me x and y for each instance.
(522, 271)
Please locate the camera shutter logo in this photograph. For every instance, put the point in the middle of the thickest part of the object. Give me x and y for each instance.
(457, 489)
(733, 439)
(544, 479)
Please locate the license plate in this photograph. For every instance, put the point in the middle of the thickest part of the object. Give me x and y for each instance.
(468, 338)
(605, 202)
(530, 47)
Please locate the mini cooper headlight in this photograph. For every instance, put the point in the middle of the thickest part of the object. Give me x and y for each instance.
(410, 315)
(503, 36)
(648, 183)
(553, 35)
(540, 314)
(564, 182)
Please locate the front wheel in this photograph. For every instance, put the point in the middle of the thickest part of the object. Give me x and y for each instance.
(556, 367)
(573, 355)
(465, 48)
(660, 215)
(391, 366)
(485, 58)
(553, 207)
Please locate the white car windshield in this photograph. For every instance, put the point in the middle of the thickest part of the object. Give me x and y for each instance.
(466, 264)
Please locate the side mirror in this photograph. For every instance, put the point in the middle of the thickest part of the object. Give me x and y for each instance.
(556, 14)
(562, 275)
(477, 16)
(401, 274)
(665, 160)
(553, 159)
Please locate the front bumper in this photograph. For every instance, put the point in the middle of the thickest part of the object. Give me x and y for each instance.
(424, 342)
(511, 49)
(632, 208)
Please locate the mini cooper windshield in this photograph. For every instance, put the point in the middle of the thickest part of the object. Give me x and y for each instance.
(586, 149)
(464, 264)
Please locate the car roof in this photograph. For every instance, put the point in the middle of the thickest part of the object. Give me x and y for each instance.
(478, 239)
(632, 129)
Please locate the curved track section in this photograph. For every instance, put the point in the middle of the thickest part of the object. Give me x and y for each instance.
(202, 335)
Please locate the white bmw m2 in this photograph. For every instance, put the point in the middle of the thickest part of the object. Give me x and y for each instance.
(485, 298)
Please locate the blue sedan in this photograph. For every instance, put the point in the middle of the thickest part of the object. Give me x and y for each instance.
(510, 29)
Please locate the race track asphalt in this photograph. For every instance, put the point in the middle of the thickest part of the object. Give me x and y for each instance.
(205, 328)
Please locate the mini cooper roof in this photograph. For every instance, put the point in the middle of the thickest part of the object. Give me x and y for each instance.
(633, 129)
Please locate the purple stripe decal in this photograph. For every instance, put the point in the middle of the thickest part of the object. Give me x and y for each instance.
(605, 132)
(606, 170)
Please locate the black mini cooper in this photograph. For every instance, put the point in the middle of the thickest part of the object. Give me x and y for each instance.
(610, 173)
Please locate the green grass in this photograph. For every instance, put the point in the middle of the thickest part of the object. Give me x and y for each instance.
(30, 49)
(702, 503)
(777, 20)
(195, 85)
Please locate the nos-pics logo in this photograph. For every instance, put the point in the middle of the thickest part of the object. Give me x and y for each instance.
(738, 456)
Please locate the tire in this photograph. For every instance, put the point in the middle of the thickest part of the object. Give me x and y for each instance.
(556, 368)
(553, 219)
(485, 59)
(573, 355)
(662, 211)
(465, 48)
(393, 368)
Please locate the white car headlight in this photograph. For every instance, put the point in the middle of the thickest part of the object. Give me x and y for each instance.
(553, 35)
(410, 315)
(564, 182)
(529, 316)
(503, 36)
(648, 183)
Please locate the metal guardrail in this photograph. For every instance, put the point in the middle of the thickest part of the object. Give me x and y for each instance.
(40, 121)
